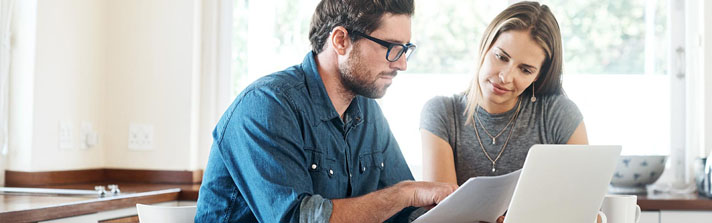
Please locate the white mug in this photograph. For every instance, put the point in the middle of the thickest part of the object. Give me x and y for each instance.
(621, 208)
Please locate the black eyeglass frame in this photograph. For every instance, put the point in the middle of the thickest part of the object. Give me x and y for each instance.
(389, 45)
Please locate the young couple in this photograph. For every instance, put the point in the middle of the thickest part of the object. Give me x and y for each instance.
(310, 143)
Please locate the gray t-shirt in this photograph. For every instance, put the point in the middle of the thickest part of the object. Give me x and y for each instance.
(550, 120)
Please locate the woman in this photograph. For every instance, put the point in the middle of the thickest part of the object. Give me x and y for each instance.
(514, 101)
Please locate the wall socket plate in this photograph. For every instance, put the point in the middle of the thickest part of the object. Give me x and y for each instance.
(65, 135)
(140, 136)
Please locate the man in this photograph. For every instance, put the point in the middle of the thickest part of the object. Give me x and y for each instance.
(309, 144)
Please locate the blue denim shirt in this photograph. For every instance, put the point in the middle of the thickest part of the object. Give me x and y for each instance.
(281, 152)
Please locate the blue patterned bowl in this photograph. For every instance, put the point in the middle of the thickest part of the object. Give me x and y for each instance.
(633, 173)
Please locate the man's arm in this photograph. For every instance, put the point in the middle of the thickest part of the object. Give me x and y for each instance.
(260, 146)
(263, 155)
(380, 205)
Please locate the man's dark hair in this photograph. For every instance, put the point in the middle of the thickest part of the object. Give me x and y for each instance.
(359, 15)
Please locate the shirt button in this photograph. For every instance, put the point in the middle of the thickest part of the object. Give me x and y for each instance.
(381, 164)
(349, 175)
(313, 166)
(331, 172)
(363, 169)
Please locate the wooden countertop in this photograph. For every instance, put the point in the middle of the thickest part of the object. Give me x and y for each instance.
(32, 208)
(667, 201)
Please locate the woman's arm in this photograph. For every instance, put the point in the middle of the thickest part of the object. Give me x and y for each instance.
(579, 136)
(438, 160)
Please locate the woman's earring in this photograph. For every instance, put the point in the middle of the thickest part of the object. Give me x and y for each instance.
(533, 97)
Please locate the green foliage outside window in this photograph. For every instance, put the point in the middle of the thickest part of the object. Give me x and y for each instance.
(600, 37)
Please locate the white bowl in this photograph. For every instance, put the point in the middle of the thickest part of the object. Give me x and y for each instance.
(634, 173)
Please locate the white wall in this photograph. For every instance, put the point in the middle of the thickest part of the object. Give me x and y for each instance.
(150, 68)
(70, 71)
(109, 63)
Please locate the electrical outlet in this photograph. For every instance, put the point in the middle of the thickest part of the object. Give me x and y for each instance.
(140, 136)
(65, 135)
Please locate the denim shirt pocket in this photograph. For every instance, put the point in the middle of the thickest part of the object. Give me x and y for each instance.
(320, 171)
(371, 162)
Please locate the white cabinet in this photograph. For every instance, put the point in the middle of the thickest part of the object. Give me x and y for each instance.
(650, 217)
(111, 214)
(99, 216)
(667, 216)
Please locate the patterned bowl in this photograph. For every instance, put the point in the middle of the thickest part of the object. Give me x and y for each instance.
(634, 173)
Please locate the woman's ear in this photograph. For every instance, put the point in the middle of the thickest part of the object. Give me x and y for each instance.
(537, 77)
(340, 40)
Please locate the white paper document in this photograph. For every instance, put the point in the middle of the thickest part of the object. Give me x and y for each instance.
(478, 199)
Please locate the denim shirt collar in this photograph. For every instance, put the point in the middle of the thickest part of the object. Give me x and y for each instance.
(325, 110)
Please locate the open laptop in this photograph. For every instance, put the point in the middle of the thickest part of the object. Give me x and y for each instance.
(562, 183)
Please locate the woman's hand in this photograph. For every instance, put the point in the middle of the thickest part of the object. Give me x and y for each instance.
(499, 220)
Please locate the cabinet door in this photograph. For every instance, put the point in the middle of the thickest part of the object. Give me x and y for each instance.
(685, 216)
(650, 217)
(76, 219)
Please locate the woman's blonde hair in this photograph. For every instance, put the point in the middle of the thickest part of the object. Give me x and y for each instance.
(544, 30)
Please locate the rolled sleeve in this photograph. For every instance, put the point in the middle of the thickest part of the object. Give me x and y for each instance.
(315, 209)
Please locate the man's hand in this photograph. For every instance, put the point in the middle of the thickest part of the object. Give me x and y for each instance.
(379, 205)
(426, 194)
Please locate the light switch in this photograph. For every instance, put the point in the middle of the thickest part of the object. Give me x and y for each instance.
(88, 138)
(65, 135)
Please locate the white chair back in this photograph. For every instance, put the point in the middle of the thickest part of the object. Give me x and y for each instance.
(165, 214)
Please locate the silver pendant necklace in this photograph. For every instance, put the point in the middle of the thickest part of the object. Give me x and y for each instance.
(494, 138)
(477, 133)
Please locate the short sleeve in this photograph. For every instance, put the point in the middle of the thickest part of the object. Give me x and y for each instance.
(436, 116)
(563, 116)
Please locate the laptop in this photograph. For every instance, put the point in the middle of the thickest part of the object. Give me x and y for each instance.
(562, 183)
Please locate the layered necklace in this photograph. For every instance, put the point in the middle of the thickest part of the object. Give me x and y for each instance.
(512, 121)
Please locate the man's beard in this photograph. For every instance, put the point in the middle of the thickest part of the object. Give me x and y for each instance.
(354, 77)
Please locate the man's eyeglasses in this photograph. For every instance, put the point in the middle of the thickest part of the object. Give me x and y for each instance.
(395, 50)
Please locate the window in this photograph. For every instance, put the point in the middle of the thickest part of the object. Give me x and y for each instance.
(268, 36)
(615, 66)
